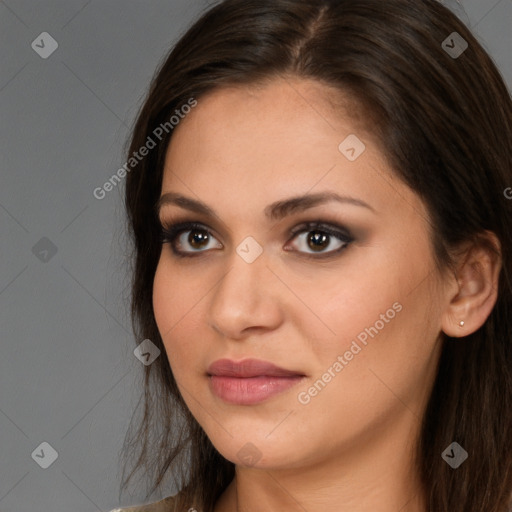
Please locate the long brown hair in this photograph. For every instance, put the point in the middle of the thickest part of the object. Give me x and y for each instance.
(444, 123)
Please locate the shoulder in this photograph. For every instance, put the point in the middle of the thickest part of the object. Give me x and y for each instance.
(165, 505)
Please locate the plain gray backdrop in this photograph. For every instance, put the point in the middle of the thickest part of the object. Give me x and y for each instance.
(68, 375)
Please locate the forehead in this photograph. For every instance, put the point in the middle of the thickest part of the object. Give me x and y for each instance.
(276, 123)
(276, 103)
(269, 141)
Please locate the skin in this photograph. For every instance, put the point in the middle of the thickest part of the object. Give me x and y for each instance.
(350, 447)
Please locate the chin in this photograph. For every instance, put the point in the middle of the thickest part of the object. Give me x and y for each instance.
(257, 451)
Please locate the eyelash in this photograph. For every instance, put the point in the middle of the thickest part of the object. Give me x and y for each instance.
(169, 233)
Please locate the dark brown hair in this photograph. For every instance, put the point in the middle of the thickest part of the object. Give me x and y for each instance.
(444, 124)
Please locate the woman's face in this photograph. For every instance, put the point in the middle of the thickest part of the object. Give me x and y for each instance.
(351, 307)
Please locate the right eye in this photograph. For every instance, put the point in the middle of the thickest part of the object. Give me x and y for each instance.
(192, 234)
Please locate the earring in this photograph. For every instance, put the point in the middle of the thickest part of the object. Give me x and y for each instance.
(461, 323)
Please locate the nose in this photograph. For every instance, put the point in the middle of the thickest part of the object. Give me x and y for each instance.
(246, 299)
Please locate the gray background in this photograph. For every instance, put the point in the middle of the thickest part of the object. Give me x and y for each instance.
(68, 375)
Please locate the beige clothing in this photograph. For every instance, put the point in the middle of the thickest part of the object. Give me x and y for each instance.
(165, 505)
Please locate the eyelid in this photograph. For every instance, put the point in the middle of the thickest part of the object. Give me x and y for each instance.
(320, 225)
(183, 224)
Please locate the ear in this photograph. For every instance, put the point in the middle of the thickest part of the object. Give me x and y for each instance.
(474, 292)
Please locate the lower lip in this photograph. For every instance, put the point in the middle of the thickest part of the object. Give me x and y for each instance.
(250, 390)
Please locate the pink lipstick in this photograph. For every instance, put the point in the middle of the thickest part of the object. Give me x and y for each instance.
(249, 381)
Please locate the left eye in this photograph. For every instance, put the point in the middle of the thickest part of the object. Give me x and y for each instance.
(314, 236)
(318, 237)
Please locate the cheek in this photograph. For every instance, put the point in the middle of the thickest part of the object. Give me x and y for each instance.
(347, 302)
(175, 302)
(386, 361)
(359, 385)
(379, 326)
(383, 295)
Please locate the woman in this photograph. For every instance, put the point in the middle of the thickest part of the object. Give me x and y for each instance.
(323, 258)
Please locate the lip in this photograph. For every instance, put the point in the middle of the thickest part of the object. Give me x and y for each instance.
(249, 381)
(248, 368)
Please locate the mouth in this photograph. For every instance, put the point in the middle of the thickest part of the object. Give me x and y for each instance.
(250, 381)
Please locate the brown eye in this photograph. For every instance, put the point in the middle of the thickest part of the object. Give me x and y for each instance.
(317, 241)
(197, 238)
(317, 238)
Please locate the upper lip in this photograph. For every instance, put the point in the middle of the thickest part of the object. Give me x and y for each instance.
(248, 368)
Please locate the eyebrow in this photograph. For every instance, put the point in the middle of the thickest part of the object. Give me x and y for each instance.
(274, 211)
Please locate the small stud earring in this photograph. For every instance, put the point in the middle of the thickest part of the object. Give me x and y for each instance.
(461, 323)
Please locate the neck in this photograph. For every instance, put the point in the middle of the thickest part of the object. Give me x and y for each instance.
(374, 474)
